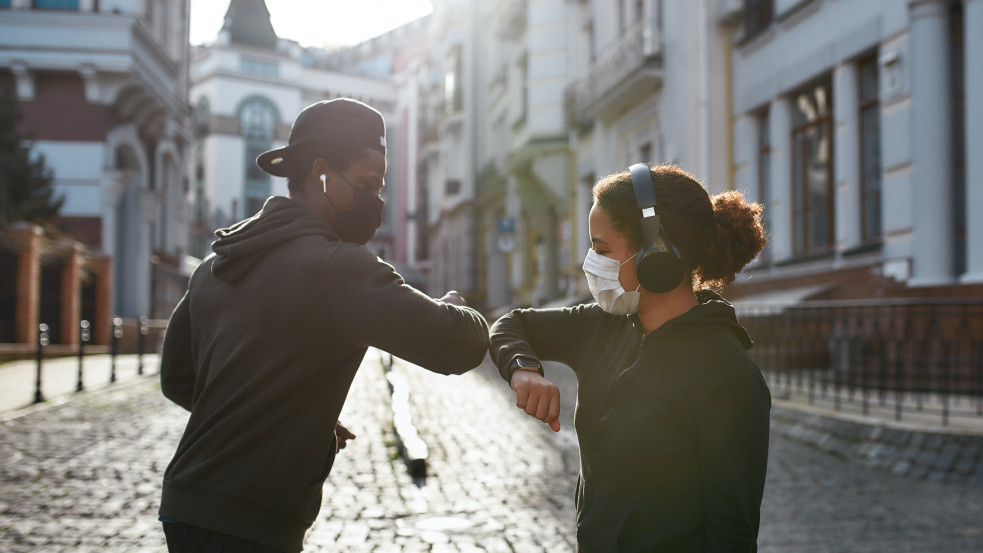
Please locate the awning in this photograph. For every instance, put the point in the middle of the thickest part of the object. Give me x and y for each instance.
(776, 301)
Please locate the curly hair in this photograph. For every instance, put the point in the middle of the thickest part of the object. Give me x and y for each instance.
(716, 235)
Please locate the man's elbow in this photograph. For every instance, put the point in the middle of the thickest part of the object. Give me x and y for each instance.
(469, 354)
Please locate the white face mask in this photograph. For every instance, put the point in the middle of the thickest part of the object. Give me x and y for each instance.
(602, 279)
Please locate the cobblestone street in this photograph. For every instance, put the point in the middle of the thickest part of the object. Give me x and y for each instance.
(85, 476)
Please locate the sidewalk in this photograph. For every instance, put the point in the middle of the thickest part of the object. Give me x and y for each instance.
(59, 379)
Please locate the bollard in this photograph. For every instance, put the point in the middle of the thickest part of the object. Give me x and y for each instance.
(143, 330)
(117, 334)
(42, 342)
(83, 338)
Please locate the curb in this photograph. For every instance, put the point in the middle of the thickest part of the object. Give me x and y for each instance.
(901, 450)
(76, 397)
(412, 448)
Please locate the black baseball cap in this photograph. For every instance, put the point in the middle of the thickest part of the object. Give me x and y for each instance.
(324, 123)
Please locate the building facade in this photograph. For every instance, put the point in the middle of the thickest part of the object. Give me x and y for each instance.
(853, 125)
(248, 86)
(103, 89)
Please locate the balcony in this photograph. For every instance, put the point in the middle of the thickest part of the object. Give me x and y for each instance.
(628, 70)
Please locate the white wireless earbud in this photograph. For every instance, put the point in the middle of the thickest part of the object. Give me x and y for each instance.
(324, 183)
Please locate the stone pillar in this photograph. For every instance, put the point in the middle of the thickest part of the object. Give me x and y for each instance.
(28, 240)
(780, 203)
(846, 124)
(113, 186)
(931, 144)
(144, 250)
(71, 293)
(973, 51)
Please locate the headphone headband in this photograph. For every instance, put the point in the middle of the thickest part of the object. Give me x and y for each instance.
(657, 264)
(641, 180)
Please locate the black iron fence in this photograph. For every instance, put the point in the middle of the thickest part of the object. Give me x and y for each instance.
(904, 355)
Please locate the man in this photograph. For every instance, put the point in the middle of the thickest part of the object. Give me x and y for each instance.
(263, 347)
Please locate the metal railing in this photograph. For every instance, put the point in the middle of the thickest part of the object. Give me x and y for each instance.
(632, 50)
(142, 327)
(905, 355)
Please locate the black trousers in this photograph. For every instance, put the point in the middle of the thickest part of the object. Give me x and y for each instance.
(184, 538)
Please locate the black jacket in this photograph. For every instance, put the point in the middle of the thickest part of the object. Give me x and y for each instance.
(673, 425)
(262, 349)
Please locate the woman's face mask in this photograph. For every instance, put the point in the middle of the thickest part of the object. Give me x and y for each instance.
(605, 286)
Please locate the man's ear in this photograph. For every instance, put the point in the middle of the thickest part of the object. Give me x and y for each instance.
(320, 167)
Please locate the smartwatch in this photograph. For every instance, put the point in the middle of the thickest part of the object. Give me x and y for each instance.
(526, 363)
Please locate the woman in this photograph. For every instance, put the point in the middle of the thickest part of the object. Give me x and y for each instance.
(672, 414)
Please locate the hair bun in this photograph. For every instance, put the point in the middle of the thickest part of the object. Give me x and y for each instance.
(734, 237)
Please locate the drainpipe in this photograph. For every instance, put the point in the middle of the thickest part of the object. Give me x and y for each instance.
(704, 93)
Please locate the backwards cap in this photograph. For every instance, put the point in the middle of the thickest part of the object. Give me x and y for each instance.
(324, 123)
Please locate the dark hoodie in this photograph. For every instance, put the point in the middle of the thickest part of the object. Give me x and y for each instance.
(262, 349)
(673, 425)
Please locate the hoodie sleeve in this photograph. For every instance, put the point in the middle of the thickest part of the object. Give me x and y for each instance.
(371, 305)
(177, 370)
(543, 334)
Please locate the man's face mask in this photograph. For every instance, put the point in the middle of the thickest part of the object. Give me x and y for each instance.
(359, 223)
(602, 279)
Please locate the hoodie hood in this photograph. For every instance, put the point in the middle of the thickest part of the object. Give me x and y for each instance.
(241, 246)
(713, 311)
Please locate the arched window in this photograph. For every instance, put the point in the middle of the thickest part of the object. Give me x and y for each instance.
(258, 118)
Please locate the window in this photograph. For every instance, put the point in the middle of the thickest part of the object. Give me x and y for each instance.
(258, 119)
(259, 67)
(55, 4)
(757, 16)
(764, 170)
(253, 150)
(453, 79)
(870, 151)
(812, 168)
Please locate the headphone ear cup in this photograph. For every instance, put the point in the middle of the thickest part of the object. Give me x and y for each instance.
(658, 271)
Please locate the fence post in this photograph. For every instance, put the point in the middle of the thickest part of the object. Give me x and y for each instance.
(144, 327)
(114, 349)
(42, 342)
(83, 338)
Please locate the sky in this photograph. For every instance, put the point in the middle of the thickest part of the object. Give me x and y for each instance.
(315, 22)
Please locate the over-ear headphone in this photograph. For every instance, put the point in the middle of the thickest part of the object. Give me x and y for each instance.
(658, 264)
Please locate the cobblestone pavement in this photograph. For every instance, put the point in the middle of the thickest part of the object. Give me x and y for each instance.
(85, 476)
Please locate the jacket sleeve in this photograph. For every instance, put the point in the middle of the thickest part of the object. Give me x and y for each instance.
(733, 431)
(372, 306)
(177, 369)
(544, 334)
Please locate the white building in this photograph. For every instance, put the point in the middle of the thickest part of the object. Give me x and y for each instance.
(103, 88)
(854, 122)
(246, 89)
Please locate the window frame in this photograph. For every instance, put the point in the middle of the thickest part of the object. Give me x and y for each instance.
(802, 219)
(868, 104)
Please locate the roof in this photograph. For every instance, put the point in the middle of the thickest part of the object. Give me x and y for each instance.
(248, 23)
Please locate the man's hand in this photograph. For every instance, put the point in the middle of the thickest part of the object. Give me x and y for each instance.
(537, 396)
(343, 435)
(453, 297)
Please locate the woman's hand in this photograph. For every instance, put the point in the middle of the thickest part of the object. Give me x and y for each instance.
(537, 396)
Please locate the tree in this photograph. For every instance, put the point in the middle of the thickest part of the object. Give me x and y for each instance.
(26, 192)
